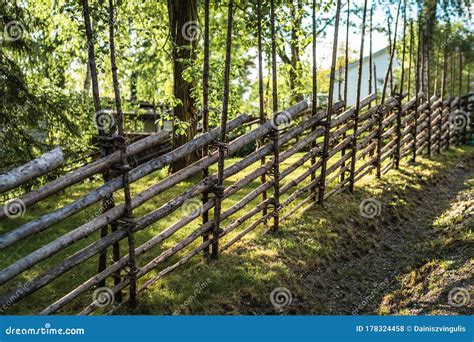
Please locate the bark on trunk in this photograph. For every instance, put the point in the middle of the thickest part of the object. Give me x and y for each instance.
(184, 30)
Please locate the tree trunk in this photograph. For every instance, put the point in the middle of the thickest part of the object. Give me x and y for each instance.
(294, 60)
(295, 70)
(184, 30)
(429, 19)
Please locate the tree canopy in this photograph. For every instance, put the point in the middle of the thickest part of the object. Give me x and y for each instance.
(45, 76)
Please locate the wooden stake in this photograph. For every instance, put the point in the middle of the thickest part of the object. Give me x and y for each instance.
(314, 107)
(357, 104)
(274, 133)
(410, 58)
(225, 108)
(371, 80)
(346, 65)
(128, 223)
(428, 82)
(108, 201)
(417, 91)
(384, 92)
(327, 120)
(205, 115)
(399, 112)
(261, 107)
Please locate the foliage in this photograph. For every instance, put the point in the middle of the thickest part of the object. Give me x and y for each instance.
(45, 83)
(36, 112)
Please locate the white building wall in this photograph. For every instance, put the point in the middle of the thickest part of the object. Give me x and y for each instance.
(381, 60)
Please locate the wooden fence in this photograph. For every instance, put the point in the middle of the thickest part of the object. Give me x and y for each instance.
(373, 137)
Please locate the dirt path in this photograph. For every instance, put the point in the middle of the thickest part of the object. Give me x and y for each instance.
(419, 254)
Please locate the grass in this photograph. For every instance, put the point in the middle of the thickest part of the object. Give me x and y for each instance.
(241, 280)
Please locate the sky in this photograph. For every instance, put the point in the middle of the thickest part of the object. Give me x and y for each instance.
(324, 44)
(379, 39)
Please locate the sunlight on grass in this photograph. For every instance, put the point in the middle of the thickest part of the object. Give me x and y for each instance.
(252, 266)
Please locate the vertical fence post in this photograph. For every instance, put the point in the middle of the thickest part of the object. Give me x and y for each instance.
(384, 93)
(460, 72)
(372, 72)
(468, 84)
(327, 120)
(451, 86)
(417, 91)
(261, 106)
(435, 92)
(399, 112)
(108, 202)
(371, 80)
(219, 186)
(443, 87)
(410, 59)
(426, 97)
(314, 104)
(357, 104)
(346, 64)
(274, 132)
(426, 42)
(436, 64)
(463, 130)
(205, 115)
(126, 221)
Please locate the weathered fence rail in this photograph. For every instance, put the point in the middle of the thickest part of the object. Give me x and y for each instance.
(407, 129)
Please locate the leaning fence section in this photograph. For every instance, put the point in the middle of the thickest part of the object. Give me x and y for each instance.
(410, 127)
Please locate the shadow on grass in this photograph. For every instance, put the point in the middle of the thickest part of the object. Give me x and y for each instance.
(332, 260)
